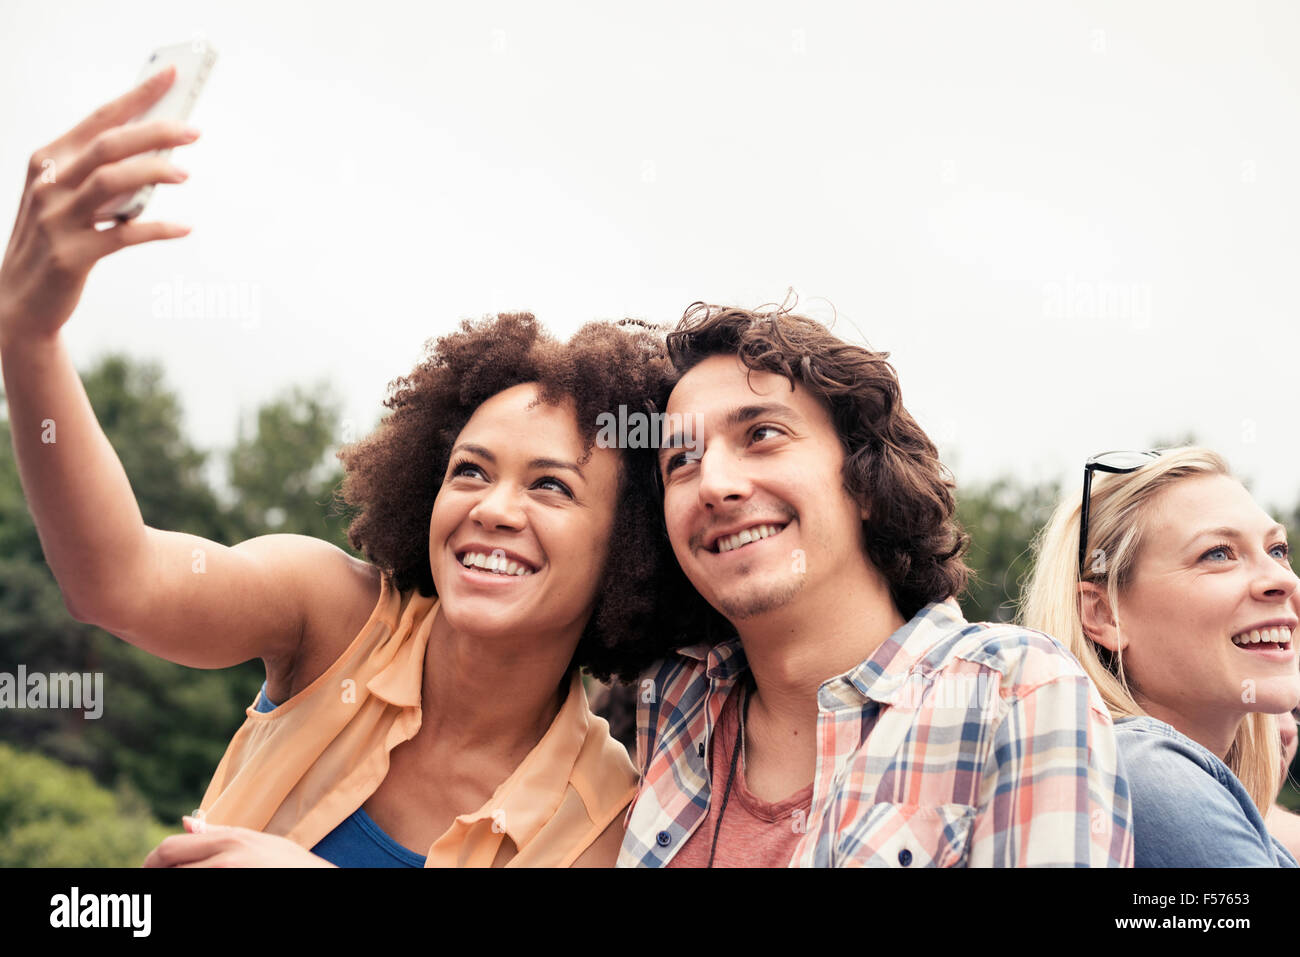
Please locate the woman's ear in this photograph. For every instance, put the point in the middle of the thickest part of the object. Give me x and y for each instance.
(1098, 617)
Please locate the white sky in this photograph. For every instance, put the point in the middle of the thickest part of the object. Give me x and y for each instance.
(1073, 225)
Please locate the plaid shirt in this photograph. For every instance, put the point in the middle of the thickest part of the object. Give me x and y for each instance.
(954, 744)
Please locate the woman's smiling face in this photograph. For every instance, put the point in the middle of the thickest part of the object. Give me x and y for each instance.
(1208, 614)
(520, 530)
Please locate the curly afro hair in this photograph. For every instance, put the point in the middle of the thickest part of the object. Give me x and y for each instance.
(393, 475)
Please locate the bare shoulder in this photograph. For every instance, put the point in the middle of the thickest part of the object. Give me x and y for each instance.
(337, 594)
(604, 850)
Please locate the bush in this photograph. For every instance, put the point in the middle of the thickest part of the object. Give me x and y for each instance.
(52, 815)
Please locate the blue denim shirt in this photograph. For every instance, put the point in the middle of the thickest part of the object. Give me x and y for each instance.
(1189, 809)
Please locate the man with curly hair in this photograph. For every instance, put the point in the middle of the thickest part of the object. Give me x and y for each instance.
(849, 715)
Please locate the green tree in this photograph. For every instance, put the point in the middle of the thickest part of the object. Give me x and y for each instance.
(55, 816)
(1002, 517)
(164, 727)
(142, 419)
(285, 474)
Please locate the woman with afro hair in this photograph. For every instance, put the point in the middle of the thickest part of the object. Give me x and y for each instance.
(432, 711)
(423, 706)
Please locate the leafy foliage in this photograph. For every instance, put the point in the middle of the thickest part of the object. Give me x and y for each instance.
(164, 727)
(1002, 518)
(52, 815)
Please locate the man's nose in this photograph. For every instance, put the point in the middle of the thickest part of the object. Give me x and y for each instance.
(723, 477)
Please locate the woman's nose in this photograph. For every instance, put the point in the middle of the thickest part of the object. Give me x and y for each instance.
(499, 508)
(1275, 579)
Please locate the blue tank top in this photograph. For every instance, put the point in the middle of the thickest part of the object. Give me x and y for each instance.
(358, 841)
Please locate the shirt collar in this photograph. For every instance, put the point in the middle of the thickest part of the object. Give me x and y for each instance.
(527, 799)
(724, 662)
(884, 673)
(401, 681)
(879, 678)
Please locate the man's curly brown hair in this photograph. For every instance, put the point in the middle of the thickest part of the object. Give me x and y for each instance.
(890, 466)
(393, 475)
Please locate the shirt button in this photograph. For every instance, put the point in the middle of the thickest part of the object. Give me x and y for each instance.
(905, 857)
(701, 749)
(663, 838)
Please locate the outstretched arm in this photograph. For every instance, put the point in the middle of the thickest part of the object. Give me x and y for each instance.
(178, 596)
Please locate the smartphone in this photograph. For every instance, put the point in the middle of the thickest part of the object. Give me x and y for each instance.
(193, 61)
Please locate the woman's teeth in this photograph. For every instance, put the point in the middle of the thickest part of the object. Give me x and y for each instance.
(497, 564)
(745, 537)
(1271, 636)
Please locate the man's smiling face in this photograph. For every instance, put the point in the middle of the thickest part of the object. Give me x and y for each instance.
(757, 512)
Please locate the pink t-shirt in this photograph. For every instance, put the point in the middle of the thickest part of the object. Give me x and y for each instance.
(754, 833)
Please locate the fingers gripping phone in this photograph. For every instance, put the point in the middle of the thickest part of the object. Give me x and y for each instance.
(193, 61)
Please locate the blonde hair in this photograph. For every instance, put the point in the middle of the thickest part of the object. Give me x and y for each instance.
(1119, 504)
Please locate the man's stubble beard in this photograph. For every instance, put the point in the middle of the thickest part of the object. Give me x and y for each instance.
(755, 600)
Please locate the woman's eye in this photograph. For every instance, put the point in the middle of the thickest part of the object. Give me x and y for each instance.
(467, 468)
(1222, 552)
(553, 484)
(1281, 551)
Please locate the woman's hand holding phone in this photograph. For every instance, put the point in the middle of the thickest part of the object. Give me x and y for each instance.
(55, 242)
(114, 571)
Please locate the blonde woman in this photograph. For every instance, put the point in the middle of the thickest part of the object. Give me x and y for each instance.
(1175, 591)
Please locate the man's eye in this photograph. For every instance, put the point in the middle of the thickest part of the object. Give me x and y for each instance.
(679, 459)
(757, 434)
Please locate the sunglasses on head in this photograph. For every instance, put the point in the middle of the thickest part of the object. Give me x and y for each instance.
(1116, 463)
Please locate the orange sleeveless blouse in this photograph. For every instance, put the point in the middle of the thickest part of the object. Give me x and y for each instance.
(300, 770)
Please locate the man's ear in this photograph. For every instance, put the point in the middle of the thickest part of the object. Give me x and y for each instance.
(1098, 617)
